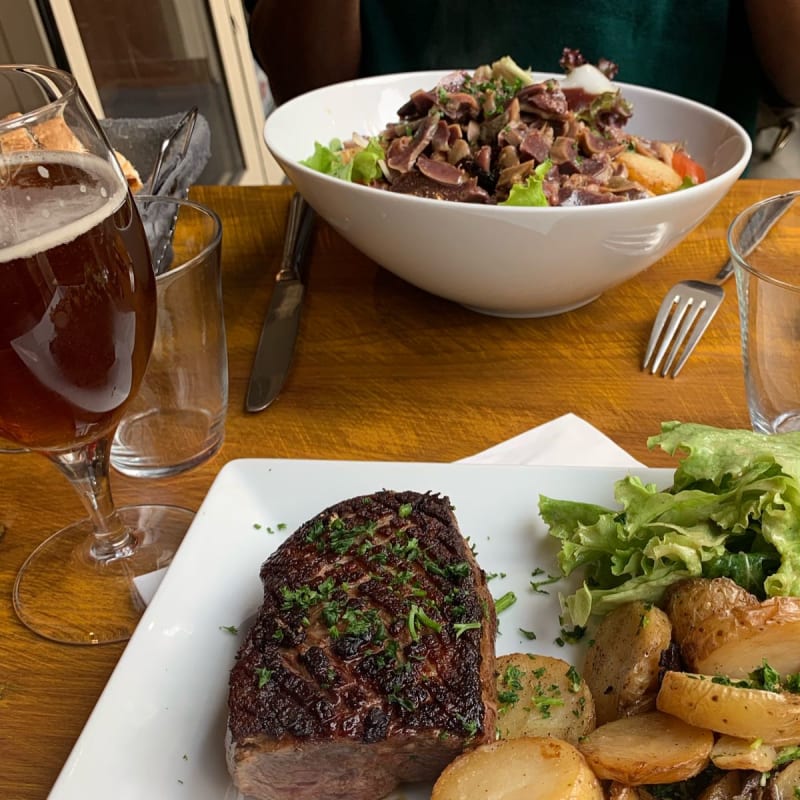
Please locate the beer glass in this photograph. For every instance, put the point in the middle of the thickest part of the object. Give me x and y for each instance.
(77, 318)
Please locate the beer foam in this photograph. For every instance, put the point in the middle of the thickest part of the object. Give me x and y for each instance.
(36, 219)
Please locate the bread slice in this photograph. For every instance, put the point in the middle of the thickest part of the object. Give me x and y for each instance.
(55, 134)
(16, 140)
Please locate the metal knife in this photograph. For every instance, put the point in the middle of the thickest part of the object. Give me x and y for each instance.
(276, 343)
(756, 230)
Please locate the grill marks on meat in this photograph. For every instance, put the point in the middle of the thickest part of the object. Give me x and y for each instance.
(371, 659)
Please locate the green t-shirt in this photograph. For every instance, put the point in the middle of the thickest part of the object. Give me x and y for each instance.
(700, 49)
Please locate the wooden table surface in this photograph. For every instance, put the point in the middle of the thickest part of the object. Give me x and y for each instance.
(382, 371)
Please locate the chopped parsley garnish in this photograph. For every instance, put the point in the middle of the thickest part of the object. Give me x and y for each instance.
(401, 701)
(507, 697)
(339, 536)
(229, 629)
(264, 676)
(504, 602)
(544, 703)
(574, 678)
(572, 635)
(765, 679)
(512, 677)
(462, 627)
(469, 725)
(417, 617)
(510, 686)
(786, 755)
(458, 570)
(303, 597)
(500, 89)
(536, 585)
(280, 526)
(408, 549)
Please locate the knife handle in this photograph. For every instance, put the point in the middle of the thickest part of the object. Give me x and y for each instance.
(298, 233)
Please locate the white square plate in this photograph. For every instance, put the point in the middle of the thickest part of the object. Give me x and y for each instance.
(158, 729)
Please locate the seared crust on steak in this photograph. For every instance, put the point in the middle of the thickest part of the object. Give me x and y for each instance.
(371, 660)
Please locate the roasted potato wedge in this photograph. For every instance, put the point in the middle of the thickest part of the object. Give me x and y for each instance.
(647, 748)
(619, 791)
(622, 662)
(690, 602)
(787, 781)
(542, 696)
(653, 174)
(728, 787)
(772, 717)
(731, 752)
(537, 768)
(739, 642)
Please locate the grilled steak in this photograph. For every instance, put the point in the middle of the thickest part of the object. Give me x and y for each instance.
(371, 660)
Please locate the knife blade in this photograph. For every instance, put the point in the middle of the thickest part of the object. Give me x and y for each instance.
(279, 333)
(756, 230)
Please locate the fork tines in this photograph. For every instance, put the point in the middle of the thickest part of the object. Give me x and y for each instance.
(679, 324)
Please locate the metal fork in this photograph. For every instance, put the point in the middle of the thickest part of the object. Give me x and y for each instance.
(689, 306)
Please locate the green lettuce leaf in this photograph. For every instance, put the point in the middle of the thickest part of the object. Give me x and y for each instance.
(359, 166)
(733, 510)
(530, 193)
(607, 108)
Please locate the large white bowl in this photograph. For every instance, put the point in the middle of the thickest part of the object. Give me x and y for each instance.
(500, 260)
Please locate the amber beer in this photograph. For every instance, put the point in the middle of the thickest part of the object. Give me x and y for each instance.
(77, 299)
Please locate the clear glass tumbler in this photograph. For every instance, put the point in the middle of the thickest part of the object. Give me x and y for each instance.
(768, 287)
(177, 419)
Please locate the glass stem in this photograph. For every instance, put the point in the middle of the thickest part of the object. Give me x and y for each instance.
(87, 470)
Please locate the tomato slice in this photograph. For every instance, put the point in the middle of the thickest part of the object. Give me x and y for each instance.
(687, 167)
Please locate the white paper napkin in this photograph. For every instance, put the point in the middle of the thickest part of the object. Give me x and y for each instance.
(147, 584)
(565, 441)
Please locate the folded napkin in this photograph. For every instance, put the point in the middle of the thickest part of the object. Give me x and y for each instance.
(566, 441)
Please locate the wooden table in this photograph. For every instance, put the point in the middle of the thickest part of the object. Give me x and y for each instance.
(382, 371)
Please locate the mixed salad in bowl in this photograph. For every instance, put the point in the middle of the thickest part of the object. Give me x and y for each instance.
(498, 136)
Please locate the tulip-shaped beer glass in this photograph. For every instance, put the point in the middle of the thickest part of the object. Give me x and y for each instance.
(77, 317)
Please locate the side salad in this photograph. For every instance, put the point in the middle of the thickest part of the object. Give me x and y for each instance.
(497, 135)
(733, 510)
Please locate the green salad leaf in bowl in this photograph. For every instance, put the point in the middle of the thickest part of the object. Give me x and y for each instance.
(733, 510)
(358, 166)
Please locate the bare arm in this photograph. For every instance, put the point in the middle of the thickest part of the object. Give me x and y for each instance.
(775, 25)
(304, 44)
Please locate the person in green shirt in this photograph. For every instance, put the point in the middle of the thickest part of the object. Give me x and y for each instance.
(724, 53)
